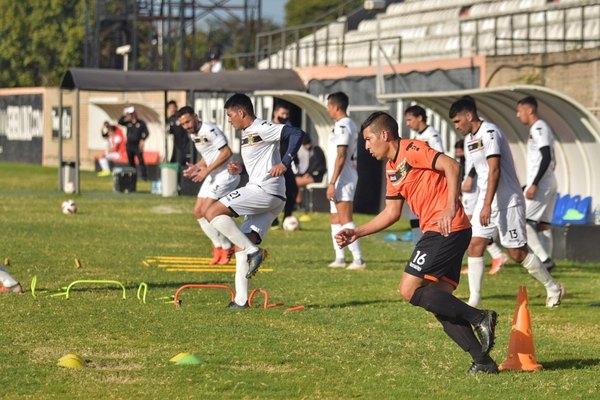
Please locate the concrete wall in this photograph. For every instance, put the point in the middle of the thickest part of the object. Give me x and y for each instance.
(574, 73)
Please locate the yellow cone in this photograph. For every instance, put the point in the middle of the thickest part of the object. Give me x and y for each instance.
(178, 357)
(70, 360)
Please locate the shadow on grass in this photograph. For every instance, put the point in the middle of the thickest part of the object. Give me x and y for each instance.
(350, 304)
(131, 286)
(571, 364)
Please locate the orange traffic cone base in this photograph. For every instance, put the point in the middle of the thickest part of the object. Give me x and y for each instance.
(521, 349)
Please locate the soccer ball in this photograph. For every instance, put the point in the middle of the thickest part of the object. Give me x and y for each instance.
(69, 207)
(291, 224)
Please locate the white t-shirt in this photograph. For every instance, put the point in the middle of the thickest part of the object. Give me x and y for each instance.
(208, 141)
(432, 138)
(260, 152)
(540, 135)
(345, 133)
(489, 141)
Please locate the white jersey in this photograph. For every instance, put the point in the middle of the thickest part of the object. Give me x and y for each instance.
(208, 141)
(260, 152)
(432, 138)
(487, 142)
(540, 135)
(344, 133)
(468, 167)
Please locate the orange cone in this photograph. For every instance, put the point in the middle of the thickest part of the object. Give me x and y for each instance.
(521, 351)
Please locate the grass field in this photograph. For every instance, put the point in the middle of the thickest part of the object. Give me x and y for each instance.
(354, 339)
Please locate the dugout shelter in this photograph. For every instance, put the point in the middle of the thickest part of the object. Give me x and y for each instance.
(76, 80)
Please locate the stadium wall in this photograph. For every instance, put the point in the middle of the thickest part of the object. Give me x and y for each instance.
(574, 73)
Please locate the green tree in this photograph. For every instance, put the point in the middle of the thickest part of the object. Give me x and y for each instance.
(299, 12)
(39, 40)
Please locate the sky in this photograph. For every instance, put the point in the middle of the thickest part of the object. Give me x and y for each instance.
(274, 10)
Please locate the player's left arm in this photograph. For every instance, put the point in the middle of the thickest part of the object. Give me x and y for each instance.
(451, 169)
(224, 154)
(544, 164)
(390, 214)
(294, 137)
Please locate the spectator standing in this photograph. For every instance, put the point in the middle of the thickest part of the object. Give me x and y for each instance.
(181, 139)
(341, 164)
(137, 133)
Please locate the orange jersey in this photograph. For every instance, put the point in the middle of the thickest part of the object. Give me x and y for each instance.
(411, 176)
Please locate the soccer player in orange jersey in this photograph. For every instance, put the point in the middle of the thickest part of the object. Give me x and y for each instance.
(428, 181)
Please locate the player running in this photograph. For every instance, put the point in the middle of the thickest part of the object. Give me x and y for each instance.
(212, 145)
(428, 181)
(262, 198)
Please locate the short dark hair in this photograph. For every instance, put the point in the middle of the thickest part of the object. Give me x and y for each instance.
(380, 121)
(185, 110)
(173, 102)
(281, 104)
(464, 104)
(416, 111)
(530, 101)
(240, 101)
(459, 144)
(340, 99)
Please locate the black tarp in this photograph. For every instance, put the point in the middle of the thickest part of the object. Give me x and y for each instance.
(226, 81)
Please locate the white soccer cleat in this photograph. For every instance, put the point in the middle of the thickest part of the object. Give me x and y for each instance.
(357, 265)
(555, 297)
(337, 264)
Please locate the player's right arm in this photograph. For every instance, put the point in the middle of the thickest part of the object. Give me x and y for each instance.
(340, 159)
(388, 216)
(492, 185)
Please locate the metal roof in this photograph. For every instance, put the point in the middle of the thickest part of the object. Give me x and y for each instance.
(226, 81)
(576, 130)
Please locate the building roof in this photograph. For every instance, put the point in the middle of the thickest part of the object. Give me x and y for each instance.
(226, 81)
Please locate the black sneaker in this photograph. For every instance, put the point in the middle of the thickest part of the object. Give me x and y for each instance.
(255, 260)
(233, 305)
(486, 331)
(487, 368)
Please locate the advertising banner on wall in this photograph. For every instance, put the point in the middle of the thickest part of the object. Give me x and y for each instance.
(21, 128)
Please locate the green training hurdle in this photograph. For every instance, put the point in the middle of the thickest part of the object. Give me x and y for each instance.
(105, 282)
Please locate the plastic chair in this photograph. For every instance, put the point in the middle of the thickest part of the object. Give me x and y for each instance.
(585, 207)
(571, 204)
(560, 208)
(316, 185)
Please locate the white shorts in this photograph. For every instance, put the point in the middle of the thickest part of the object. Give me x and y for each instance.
(469, 201)
(508, 225)
(113, 156)
(541, 207)
(215, 187)
(344, 191)
(258, 208)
